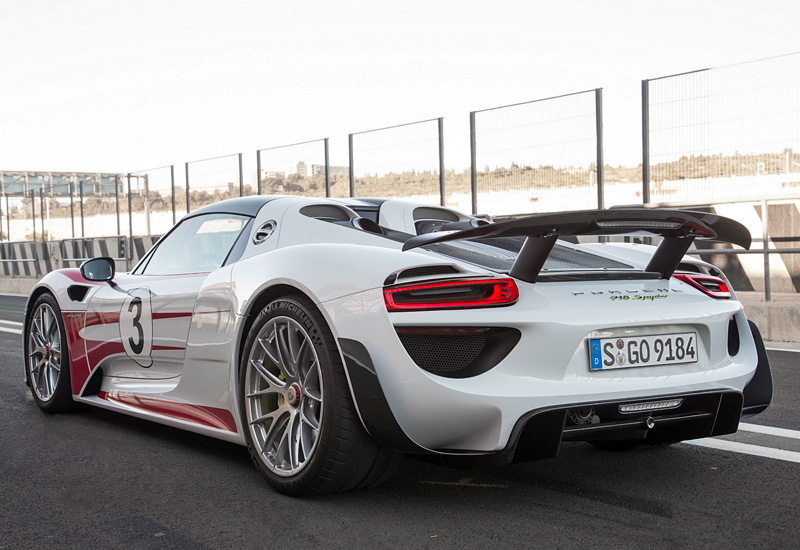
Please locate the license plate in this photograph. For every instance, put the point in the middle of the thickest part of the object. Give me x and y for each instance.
(642, 351)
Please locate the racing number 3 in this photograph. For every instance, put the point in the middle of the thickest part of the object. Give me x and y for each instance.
(136, 327)
(139, 344)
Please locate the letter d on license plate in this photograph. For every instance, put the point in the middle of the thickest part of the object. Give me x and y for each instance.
(642, 351)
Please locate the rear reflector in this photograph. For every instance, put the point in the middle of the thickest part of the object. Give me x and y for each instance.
(708, 284)
(650, 406)
(451, 295)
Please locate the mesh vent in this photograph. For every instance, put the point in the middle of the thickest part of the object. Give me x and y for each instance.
(443, 354)
(485, 258)
(427, 270)
(562, 257)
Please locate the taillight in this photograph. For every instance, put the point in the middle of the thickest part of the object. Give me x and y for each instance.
(708, 284)
(451, 295)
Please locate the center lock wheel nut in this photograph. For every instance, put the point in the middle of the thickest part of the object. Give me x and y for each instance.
(293, 395)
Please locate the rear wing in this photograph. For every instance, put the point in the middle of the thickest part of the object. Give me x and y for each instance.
(678, 227)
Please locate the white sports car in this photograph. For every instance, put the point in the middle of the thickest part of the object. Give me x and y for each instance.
(333, 336)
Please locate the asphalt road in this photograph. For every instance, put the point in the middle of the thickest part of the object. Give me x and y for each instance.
(97, 479)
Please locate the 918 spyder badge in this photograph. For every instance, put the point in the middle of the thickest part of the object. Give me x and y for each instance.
(136, 326)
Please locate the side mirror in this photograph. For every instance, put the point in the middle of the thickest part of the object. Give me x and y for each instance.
(98, 269)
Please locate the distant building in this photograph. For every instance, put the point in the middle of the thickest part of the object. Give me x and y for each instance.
(302, 170)
(319, 169)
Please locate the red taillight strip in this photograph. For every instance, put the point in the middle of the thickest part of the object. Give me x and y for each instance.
(496, 292)
(696, 281)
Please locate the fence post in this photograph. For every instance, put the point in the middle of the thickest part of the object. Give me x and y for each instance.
(352, 172)
(80, 184)
(187, 187)
(33, 214)
(146, 201)
(327, 171)
(130, 208)
(172, 187)
(116, 200)
(72, 206)
(765, 231)
(441, 161)
(8, 219)
(41, 208)
(601, 169)
(241, 178)
(33, 219)
(258, 171)
(646, 141)
(130, 227)
(473, 162)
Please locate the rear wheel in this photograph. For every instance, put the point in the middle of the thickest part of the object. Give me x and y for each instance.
(47, 360)
(301, 426)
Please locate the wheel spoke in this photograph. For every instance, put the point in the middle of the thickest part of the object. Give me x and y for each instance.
(311, 383)
(283, 448)
(273, 356)
(36, 331)
(44, 375)
(308, 435)
(274, 382)
(309, 415)
(54, 364)
(37, 368)
(260, 393)
(269, 416)
(293, 435)
(281, 343)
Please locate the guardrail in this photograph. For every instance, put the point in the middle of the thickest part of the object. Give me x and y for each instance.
(83, 248)
(10, 253)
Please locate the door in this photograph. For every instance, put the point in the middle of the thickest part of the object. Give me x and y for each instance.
(138, 327)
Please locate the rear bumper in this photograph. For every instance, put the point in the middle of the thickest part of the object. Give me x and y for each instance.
(539, 433)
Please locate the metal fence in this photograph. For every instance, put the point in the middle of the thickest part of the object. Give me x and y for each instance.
(405, 161)
(538, 156)
(298, 169)
(214, 179)
(718, 134)
(153, 201)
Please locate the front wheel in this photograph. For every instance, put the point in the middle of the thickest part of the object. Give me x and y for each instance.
(300, 423)
(47, 360)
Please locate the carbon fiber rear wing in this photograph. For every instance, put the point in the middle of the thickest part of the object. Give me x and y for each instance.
(678, 227)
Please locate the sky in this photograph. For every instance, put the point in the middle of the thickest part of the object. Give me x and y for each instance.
(103, 86)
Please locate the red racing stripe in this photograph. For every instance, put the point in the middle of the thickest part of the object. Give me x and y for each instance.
(97, 351)
(101, 318)
(79, 369)
(170, 315)
(213, 417)
(74, 274)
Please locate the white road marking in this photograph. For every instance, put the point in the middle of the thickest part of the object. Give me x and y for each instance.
(783, 349)
(11, 330)
(769, 430)
(12, 323)
(744, 448)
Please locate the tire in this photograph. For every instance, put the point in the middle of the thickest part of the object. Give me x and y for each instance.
(301, 426)
(47, 356)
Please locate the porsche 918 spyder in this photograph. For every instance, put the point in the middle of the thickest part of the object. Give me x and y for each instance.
(331, 337)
